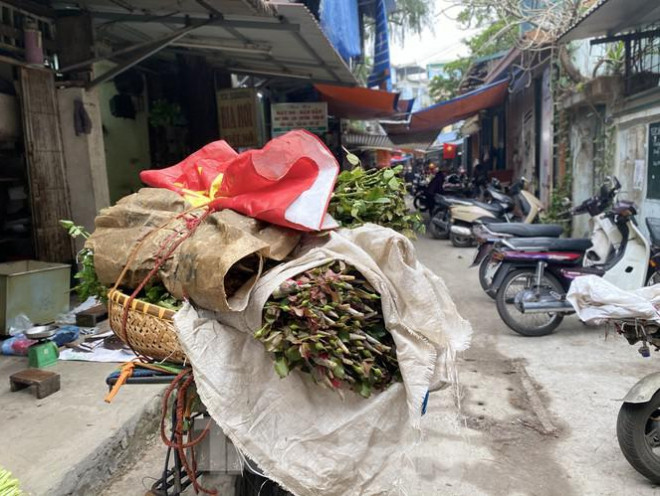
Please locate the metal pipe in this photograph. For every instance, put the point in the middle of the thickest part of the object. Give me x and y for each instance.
(540, 267)
(546, 307)
(461, 231)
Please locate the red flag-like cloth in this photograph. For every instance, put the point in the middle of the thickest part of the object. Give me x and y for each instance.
(288, 182)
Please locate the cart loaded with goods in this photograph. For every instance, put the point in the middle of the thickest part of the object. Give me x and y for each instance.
(293, 300)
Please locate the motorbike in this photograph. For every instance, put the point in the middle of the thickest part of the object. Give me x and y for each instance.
(439, 225)
(461, 216)
(456, 185)
(636, 318)
(638, 422)
(536, 273)
(490, 235)
(418, 192)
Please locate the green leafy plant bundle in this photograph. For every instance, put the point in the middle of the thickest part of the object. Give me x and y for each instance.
(376, 196)
(327, 322)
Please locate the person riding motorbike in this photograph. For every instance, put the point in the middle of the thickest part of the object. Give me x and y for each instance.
(435, 187)
(480, 174)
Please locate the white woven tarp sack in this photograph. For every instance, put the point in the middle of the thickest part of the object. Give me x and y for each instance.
(595, 299)
(302, 435)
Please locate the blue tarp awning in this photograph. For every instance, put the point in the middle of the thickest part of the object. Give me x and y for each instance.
(340, 21)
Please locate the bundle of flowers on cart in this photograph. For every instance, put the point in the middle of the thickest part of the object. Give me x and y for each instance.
(296, 297)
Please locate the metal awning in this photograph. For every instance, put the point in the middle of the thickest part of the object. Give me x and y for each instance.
(427, 123)
(367, 141)
(252, 37)
(181, 7)
(609, 17)
(361, 103)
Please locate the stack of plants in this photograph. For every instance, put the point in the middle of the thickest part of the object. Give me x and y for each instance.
(328, 322)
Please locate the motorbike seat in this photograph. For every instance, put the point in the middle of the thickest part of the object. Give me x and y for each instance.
(549, 244)
(495, 208)
(520, 230)
(451, 200)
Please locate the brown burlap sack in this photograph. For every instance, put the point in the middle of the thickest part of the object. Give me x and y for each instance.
(120, 227)
(216, 267)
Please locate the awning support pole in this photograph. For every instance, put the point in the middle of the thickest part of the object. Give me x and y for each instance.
(122, 51)
(184, 21)
(155, 48)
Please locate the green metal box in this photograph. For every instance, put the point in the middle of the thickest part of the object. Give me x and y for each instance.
(40, 290)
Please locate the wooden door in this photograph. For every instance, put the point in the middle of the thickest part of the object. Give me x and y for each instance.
(45, 163)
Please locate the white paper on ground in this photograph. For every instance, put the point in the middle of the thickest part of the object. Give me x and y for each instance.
(98, 354)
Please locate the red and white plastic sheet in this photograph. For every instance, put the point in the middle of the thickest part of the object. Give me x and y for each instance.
(288, 182)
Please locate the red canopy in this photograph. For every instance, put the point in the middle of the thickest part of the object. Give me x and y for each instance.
(361, 103)
(427, 123)
(459, 108)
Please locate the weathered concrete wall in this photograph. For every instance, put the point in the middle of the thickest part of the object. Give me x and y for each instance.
(84, 157)
(582, 132)
(546, 141)
(126, 140)
(521, 149)
(632, 122)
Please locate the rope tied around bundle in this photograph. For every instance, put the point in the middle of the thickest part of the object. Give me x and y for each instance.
(182, 384)
(164, 252)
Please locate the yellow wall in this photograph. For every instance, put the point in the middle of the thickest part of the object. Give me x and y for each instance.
(126, 140)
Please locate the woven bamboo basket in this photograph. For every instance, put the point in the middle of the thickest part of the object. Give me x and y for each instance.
(149, 328)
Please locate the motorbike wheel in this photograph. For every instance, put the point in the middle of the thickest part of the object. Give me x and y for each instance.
(638, 432)
(532, 325)
(460, 241)
(436, 231)
(487, 270)
(419, 203)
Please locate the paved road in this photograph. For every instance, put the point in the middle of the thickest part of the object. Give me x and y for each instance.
(536, 416)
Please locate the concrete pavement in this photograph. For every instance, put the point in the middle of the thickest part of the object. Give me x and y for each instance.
(71, 442)
(537, 416)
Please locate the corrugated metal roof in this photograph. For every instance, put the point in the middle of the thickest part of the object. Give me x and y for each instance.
(251, 37)
(364, 140)
(609, 17)
(191, 7)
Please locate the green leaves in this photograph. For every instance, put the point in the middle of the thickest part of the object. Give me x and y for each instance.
(74, 230)
(282, 367)
(89, 284)
(156, 294)
(376, 196)
(352, 159)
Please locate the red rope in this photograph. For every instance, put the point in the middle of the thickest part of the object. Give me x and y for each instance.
(191, 226)
(182, 382)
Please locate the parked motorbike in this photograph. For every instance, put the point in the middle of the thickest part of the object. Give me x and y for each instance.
(455, 185)
(635, 317)
(638, 423)
(535, 274)
(462, 216)
(440, 223)
(490, 235)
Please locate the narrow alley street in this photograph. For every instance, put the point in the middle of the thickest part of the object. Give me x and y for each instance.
(208, 210)
(537, 415)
